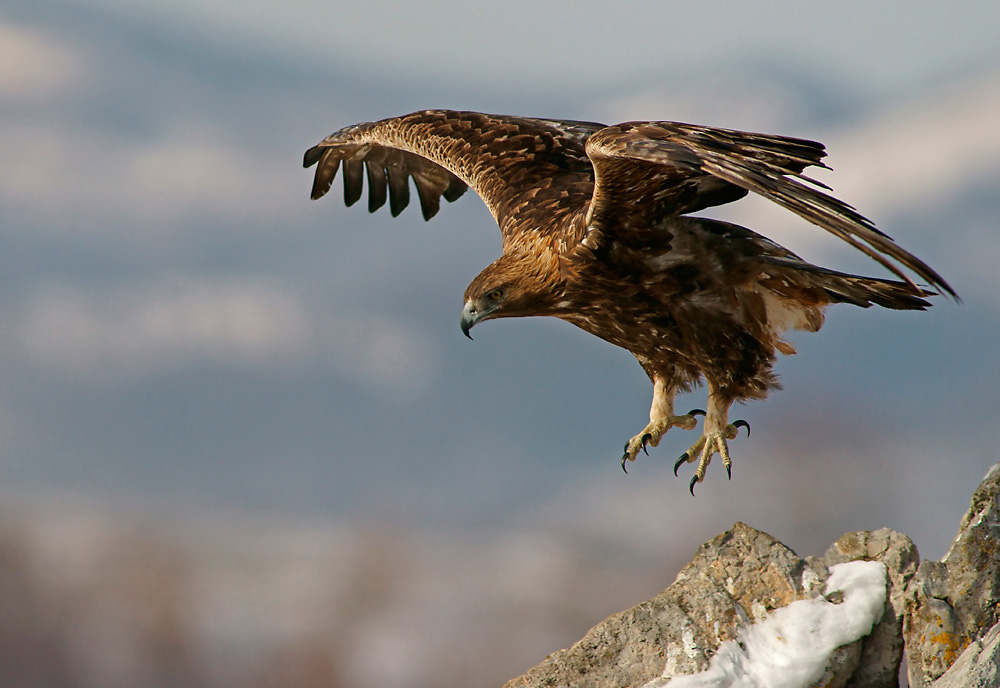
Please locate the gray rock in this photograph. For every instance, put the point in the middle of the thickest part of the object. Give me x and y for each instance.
(736, 579)
(944, 614)
(954, 602)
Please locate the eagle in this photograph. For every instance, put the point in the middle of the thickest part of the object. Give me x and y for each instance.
(598, 229)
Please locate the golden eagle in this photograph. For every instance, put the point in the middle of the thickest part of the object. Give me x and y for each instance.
(597, 230)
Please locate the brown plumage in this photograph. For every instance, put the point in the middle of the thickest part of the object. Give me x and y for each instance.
(597, 231)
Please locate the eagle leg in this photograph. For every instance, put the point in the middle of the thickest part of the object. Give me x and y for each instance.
(713, 440)
(661, 419)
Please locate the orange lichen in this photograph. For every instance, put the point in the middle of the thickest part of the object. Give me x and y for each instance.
(950, 645)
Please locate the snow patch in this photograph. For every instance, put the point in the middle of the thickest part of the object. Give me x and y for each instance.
(792, 647)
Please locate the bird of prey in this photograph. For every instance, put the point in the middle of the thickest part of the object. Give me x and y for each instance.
(597, 230)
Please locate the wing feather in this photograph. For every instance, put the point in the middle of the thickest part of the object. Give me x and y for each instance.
(376, 185)
(399, 188)
(518, 165)
(353, 174)
(326, 170)
(430, 197)
(671, 160)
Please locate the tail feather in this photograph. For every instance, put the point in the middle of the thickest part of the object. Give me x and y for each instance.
(868, 291)
(843, 287)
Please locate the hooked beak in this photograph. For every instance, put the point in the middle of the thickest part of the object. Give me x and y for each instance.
(470, 316)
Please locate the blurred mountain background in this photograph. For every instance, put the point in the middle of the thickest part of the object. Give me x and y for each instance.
(242, 440)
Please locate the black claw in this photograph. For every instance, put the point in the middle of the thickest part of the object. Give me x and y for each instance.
(624, 459)
(696, 412)
(742, 424)
(694, 481)
(729, 471)
(646, 438)
(680, 462)
(626, 447)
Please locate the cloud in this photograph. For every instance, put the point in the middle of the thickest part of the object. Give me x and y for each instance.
(91, 182)
(34, 66)
(731, 99)
(395, 359)
(129, 331)
(920, 153)
(69, 167)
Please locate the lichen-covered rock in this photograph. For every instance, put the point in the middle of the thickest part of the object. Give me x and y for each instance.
(734, 580)
(978, 666)
(954, 602)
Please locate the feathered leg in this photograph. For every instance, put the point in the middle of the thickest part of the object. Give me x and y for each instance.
(713, 439)
(661, 419)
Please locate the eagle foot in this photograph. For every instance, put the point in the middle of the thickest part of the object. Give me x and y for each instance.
(653, 433)
(709, 444)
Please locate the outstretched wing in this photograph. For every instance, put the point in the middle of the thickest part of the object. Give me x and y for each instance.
(389, 171)
(525, 169)
(672, 168)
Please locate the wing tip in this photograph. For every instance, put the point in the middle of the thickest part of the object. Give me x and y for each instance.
(326, 170)
(456, 188)
(949, 292)
(312, 156)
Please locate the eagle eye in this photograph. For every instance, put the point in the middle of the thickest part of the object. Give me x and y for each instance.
(495, 295)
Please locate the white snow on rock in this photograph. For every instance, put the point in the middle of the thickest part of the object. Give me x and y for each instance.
(792, 647)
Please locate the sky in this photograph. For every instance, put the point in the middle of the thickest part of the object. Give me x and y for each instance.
(880, 46)
(181, 327)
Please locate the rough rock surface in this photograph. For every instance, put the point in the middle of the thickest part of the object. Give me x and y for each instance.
(735, 579)
(934, 611)
(954, 602)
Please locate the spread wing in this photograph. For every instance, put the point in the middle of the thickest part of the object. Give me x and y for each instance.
(649, 169)
(528, 171)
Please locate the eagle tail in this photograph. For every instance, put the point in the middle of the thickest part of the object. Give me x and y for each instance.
(868, 291)
(843, 287)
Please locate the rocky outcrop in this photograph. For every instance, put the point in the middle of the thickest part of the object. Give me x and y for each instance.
(941, 615)
(953, 603)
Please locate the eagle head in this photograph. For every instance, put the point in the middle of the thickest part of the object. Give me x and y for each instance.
(509, 287)
(482, 307)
